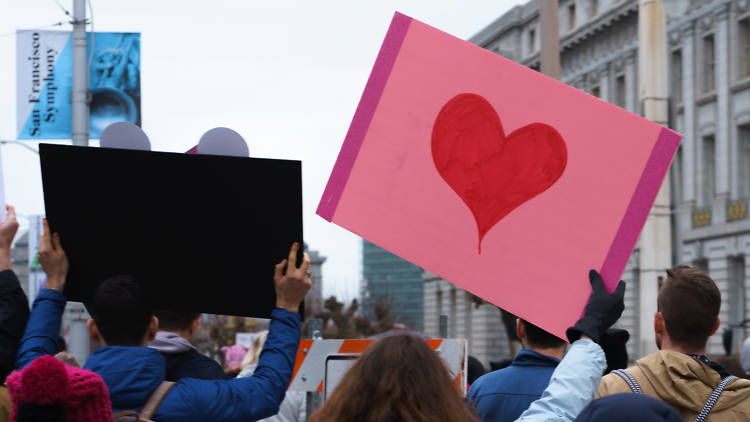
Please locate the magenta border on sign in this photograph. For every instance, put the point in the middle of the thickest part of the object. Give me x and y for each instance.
(362, 117)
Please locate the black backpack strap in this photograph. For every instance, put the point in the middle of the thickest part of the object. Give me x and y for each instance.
(632, 383)
(714, 398)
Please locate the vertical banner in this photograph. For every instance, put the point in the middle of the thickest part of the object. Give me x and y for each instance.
(45, 79)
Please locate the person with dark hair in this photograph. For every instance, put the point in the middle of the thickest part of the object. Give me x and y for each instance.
(397, 378)
(680, 374)
(504, 394)
(14, 308)
(174, 341)
(123, 323)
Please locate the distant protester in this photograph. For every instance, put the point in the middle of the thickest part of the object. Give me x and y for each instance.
(233, 356)
(123, 323)
(398, 378)
(48, 390)
(174, 341)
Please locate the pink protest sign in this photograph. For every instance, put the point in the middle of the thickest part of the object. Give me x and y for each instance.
(501, 180)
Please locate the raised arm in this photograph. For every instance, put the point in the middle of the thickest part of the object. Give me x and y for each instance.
(576, 379)
(43, 329)
(14, 306)
(258, 396)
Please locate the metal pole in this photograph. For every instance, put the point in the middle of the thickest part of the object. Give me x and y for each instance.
(656, 238)
(313, 399)
(80, 93)
(549, 54)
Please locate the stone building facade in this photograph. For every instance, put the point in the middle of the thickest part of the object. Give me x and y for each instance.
(481, 324)
(709, 89)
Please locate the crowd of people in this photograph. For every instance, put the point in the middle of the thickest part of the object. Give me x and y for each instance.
(147, 367)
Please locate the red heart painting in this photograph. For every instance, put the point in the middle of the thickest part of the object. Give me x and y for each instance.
(491, 172)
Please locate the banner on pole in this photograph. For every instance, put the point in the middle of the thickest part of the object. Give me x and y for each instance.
(44, 72)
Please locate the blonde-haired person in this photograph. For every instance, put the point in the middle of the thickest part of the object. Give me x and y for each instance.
(294, 406)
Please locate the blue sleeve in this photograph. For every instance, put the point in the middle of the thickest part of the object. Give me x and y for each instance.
(43, 328)
(241, 399)
(572, 386)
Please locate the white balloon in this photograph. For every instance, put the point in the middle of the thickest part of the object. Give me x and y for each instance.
(124, 135)
(223, 141)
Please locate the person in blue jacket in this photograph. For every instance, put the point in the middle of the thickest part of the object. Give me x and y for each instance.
(502, 395)
(123, 323)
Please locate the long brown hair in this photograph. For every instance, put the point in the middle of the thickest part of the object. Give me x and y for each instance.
(397, 379)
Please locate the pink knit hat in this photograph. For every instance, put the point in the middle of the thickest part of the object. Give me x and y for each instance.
(48, 381)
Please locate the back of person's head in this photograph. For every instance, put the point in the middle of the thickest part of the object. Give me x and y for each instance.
(121, 311)
(628, 407)
(398, 378)
(49, 391)
(689, 301)
(536, 338)
(176, 320)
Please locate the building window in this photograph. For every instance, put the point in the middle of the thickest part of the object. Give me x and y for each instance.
(677, 76)
(531, 46)
(596, 92)
(744, 46)
(620, 91)
(677, 175)
(709, 169)
(743, 152)
(571, 16)
(709, 64)
(594, 8)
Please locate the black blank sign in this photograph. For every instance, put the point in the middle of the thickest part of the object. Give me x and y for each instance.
(201, 233)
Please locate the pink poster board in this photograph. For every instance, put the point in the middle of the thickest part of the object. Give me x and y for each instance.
(499, 179)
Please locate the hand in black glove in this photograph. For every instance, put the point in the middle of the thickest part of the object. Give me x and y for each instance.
(602, 310)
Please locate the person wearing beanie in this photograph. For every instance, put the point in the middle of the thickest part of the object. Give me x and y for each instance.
(49, 390)
(625, 407)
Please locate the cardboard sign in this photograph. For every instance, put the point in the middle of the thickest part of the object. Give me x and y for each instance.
(499, 179)
(201, 233)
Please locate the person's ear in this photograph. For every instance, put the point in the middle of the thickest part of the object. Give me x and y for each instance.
(716, 326)
(153, 327)
(93, 330)
(658, 323)
(520, 329)
(195, 324)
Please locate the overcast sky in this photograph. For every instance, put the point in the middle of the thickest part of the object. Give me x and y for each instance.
(286, 75)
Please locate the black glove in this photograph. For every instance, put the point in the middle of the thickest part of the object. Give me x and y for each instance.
(602, 310)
